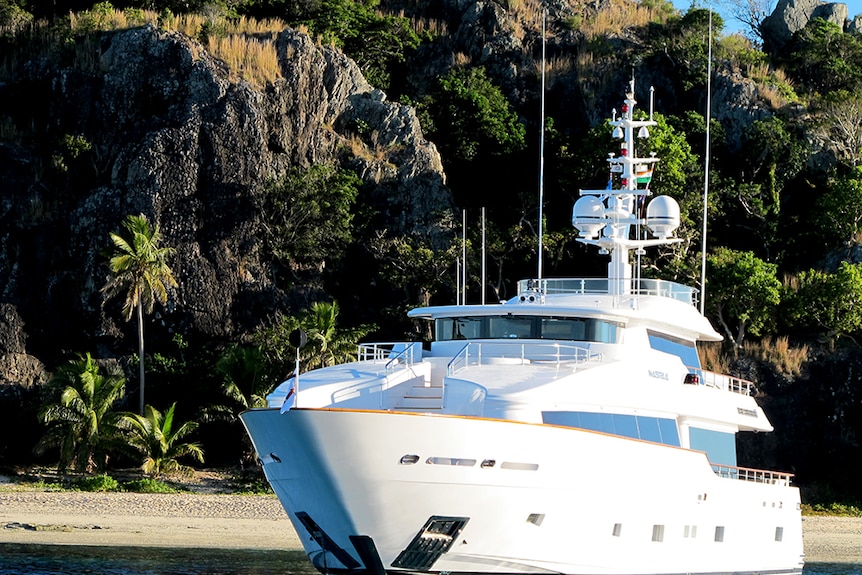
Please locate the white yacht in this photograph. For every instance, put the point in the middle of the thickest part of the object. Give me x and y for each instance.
(569, 430)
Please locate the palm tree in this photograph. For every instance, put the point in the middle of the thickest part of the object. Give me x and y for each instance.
(140, 271)
(329, 344)
(154, 436)
(82, 423)
(245, 381)
(245, 385)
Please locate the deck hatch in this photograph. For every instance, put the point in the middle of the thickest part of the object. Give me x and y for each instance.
(433, 540)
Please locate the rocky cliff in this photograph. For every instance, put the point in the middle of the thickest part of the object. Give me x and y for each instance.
(790, 16)
(166, 130)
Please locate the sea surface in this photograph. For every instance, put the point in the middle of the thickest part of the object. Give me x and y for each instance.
(16, 559)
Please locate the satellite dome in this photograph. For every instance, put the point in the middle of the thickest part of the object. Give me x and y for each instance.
(588, 216)
(662, 216)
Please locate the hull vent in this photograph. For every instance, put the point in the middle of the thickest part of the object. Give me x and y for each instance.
(432, 541)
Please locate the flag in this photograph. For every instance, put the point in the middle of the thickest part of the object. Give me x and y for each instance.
(643, 174)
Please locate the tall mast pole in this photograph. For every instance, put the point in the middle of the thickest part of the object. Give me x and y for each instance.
(706, 169)
(483, 256)
(542, 152)
(464, 257)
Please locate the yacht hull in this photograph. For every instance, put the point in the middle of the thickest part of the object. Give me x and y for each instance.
(377, 491)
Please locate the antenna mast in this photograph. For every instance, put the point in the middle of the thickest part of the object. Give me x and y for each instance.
(706, 169)
(542, 150)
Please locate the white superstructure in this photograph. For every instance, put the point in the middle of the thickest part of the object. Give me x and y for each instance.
(569, 430)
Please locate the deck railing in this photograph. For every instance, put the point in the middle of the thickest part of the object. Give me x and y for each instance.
(479, 353)
(755, 475)
(398, 354)
(653, 287)
(697, 376)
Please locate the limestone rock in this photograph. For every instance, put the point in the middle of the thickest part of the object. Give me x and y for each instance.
(790, 16)
(178, 137)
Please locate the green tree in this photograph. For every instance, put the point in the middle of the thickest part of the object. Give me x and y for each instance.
(474, 115)
(139, 271)
(828, 302)
(159, 441)
(771, 157)
(413, 265)
(13, 17)
(685, 42)
(744, 292)
(309, 217)
(328, 344)
(246, 382)
(81, 420)
(822, 58)
(838, 211)
(376, 41)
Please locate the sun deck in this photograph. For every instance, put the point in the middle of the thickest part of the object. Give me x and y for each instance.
(602, 286)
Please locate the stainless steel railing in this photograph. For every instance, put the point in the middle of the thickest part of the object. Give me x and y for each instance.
(479, 353)
(755, 475)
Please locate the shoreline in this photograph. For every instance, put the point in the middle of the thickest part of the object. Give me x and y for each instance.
(254, 522)
(178, 520)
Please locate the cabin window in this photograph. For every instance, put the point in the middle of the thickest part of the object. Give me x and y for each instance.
(654, 429)
(683, 349)
(557, 328)
(720, 447)
(460, 328)
(510, 327)
(526, 327)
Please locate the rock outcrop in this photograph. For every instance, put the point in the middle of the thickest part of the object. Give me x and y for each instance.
(791, 16)
(176, 136)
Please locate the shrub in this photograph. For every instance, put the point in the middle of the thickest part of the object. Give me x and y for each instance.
(96, 483)
(148, 485)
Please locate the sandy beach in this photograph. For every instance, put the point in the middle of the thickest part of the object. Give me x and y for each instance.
(196, 520)
(152, 520)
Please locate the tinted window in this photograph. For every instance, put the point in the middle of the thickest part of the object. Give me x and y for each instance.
(720, 447)
(685, 350)
(655, 429)
(526, 327)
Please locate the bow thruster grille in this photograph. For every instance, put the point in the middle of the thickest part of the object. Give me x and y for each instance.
(432, 541)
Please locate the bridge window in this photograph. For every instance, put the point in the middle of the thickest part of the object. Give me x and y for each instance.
(526, 327)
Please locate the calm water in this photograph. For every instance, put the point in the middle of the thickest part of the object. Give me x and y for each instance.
(66, 560)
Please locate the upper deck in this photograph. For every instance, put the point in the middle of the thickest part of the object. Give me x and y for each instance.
(603, 286)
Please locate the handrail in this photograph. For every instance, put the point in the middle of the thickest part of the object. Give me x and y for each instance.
(403, 357)
(579, 286)
(755, 475)
(719, 381)
(398, 353)
(546, 353)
